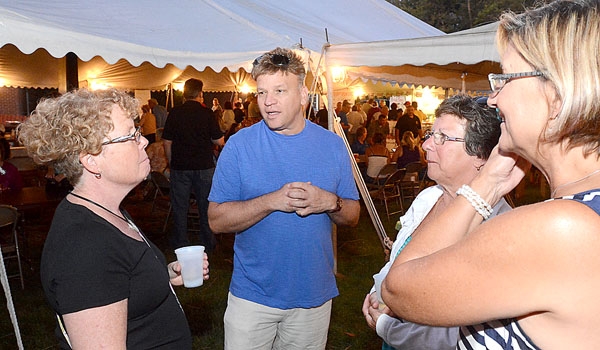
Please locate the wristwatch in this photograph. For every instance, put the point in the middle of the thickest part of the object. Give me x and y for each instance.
(339, 203)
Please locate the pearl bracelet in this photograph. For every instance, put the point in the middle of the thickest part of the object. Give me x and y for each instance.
(481, 206)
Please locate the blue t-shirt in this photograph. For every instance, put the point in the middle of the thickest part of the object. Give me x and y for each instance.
(284, 261)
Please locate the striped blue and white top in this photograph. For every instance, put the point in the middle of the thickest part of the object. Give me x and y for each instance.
(507, 334)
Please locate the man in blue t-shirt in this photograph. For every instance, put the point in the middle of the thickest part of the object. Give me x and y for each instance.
(279, 185)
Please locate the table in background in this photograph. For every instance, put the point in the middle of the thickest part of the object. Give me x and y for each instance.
(29, 201)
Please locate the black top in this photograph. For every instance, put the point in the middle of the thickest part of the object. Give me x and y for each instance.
(87, 262)
(406, 123)
(192, 127)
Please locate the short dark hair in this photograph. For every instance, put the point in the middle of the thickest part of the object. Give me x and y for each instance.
(482, 129)
(378, 138)
(192, 88)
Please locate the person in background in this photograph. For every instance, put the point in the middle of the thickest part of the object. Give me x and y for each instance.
(528, 278)
(365, 107)
(372, 115)
(338, 108)
(393, 115)
(216, 105)
(302, 182)
(235, 127)
(419, 113)
(238, 113)
(322, 117)
(376, 157)
(254, 115)
(147, 124)
(109, 286)
(343, 115)
(360, 145)
(160, 113)
(10, 178)
(356, 120)
(454, 159)
(408, 122)
(408, 151)
(57, 183)
(380, 125)
(189, 137)
(228, 116)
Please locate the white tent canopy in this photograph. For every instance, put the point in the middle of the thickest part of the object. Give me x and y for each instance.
(460, 60)
(124, 43)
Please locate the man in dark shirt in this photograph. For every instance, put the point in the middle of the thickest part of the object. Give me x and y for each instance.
(191, 131)
(408, 122)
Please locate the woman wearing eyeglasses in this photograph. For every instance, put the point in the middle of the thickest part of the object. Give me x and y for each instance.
(526, 279)
(108, 285)
(462, 138)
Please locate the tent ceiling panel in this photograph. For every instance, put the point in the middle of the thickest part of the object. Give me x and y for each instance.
(439, 61)
(199, 34)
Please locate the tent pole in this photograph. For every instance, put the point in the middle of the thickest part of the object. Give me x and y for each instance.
(72, 72)
(336, 127)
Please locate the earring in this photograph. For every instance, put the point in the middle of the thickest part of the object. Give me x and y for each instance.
(479, 167)
(98, 176)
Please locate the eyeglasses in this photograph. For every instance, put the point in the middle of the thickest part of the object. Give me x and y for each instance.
(136, 136)
(278, 60)
(497, 81)
(439, 138)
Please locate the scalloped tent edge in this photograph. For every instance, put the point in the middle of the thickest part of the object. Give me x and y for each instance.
(146, 46)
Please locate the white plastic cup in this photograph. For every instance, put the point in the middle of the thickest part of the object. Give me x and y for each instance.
(191, 259)
(378, 278)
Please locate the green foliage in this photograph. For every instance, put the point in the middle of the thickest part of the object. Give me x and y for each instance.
(454, 15)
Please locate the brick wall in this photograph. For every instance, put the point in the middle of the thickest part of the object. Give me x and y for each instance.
(11, 102)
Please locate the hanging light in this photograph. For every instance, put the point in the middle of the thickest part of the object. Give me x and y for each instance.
(338, 74)
(244, 89)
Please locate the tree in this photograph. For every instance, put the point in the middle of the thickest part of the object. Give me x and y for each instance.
(454, 15)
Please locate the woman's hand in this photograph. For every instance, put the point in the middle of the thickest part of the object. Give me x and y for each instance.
(502, 172)
(371, 310)
(175, 271)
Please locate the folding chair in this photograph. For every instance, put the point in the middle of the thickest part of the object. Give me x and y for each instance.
(390, 191)
(163, 186)
(411, 183)
(9, 244)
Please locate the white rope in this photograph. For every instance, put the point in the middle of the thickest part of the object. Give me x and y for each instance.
(386, 242)
(9, 301)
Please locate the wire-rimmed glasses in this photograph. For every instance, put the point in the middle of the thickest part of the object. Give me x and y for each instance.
(136, 136)
(439, 138)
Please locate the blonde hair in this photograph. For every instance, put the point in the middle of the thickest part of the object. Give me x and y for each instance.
(265, 65)
(562, 40)
(60, 129)
(409, 140)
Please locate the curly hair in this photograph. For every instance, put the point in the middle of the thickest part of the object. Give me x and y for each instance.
(482, 128)
(61, 129)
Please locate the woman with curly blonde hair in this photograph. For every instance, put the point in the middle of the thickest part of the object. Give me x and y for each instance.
(108, 285)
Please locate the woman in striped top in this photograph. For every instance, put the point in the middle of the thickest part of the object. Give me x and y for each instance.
(528, 278)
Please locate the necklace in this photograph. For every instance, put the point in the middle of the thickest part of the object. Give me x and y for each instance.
(574, 182)
(129, 222)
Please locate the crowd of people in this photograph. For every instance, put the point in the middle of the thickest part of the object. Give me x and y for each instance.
(466, 270)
